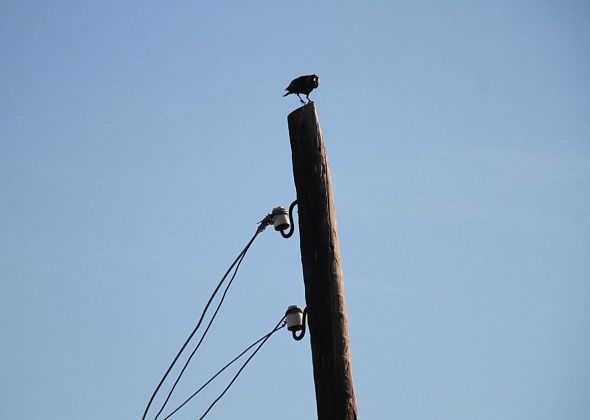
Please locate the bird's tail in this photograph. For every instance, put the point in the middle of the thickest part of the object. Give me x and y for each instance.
(288, 93)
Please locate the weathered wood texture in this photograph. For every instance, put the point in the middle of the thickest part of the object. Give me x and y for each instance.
(322, 273)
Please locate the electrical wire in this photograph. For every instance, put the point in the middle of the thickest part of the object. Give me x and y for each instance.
(202, 337)
(220, 371)
(238, 260)
(275, 329)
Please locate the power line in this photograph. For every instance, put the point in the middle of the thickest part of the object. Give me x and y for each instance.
(275, 329)
(203, 336)
(220, 371)
(238, 260)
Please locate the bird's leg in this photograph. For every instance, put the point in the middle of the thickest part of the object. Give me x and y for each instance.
(301, 100)
(308, 100)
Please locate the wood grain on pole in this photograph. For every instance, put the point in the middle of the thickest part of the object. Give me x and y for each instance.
(322, 272)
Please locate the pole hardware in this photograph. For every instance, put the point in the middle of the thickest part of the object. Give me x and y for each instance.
(290, 232)
(296, 320)
(281, 219)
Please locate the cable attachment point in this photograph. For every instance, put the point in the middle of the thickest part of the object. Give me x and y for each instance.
(287, 223)
(281, 219)
(268, 220)
(296, 320)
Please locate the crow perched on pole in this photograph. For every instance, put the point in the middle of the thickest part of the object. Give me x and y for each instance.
(303, 84)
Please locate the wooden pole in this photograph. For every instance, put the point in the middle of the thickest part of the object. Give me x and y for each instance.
(322, 273)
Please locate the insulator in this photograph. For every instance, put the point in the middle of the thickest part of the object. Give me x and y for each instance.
(281, 218)
(294, 318)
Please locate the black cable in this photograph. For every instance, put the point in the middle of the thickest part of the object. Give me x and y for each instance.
(239, 257)
(220, 371)
(275, 329)
(215, 376)
(203, 336)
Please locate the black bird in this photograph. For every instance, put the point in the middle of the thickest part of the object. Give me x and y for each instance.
(303, 84)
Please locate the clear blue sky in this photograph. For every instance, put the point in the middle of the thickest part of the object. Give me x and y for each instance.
(140, 142)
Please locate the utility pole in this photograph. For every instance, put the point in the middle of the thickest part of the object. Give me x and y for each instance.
(322, 273)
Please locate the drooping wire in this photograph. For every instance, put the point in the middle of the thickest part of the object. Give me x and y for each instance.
(202, 337)
(220, 371)
(275, 329)
(263, 223)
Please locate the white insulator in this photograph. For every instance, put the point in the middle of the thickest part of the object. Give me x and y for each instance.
(281, 222)
(294, 318)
